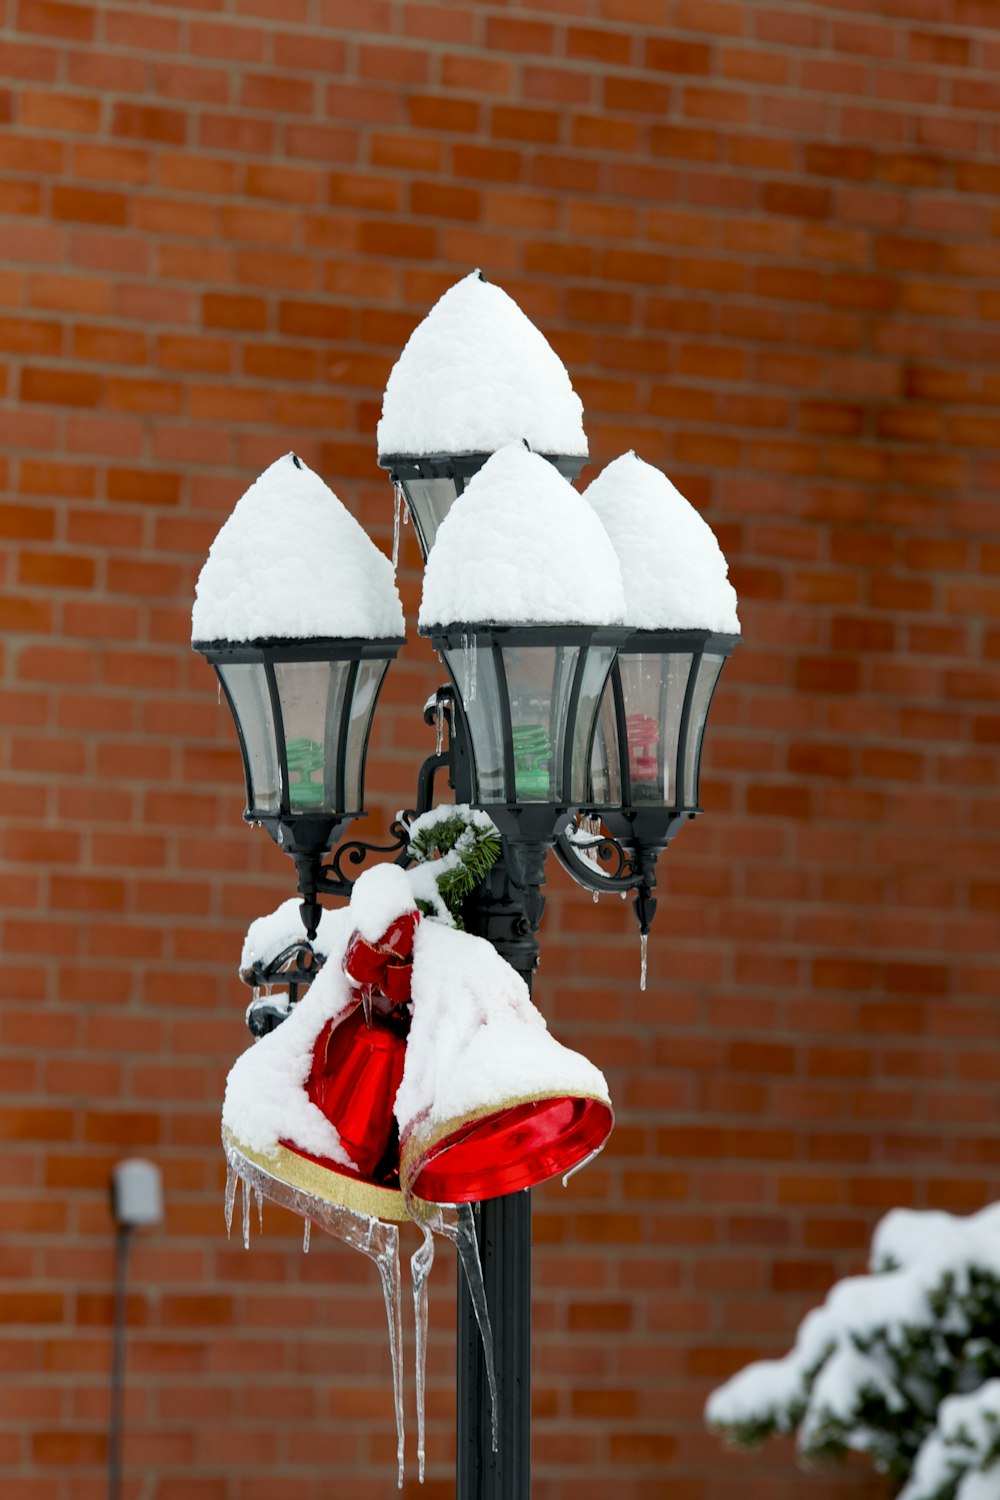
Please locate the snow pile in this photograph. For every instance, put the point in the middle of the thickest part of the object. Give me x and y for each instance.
(266, 1101)
(961, 1458)
(269, 936)
(292, 562)
(520, 546)
(674, 570)
(871, 1367)
(477, 374)
(476, 1041)
(380, 895)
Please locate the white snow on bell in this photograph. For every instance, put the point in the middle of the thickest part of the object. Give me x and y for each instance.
(476, 1040)
(674, 570)
(291, 562)
(477, 374)
(521, 547)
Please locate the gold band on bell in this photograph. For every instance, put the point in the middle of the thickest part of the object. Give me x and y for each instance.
(325, 1183)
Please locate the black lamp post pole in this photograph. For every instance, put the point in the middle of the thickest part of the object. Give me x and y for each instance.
(504, 1227)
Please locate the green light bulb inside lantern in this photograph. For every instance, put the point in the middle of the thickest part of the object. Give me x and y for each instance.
(532, 762)
(305, 759)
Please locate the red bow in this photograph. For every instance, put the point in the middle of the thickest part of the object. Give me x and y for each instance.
(384, 966)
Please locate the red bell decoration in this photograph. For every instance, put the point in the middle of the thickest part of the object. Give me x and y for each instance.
(357, 1066)
(509, 1149)
(490, 1101)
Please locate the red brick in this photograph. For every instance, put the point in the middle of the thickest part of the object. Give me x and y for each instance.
(430, 113)
(151, 123)
(675, 56)
(503, 34)
(535, 125)
(53, 18)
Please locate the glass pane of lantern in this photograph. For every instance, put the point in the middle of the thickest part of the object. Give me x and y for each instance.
(701, 698)
(653, 687)
(311, 694)
(605, 761)
(539, 683)
(595, 676)
(366, 691)
(429, 501)
(474, 671)
(246, 685)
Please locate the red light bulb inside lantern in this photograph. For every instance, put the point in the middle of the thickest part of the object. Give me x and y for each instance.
(643, 735)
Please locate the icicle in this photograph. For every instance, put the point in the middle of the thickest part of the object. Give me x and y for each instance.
(366, 1006)
(591, 826)
(232, 1177)
(438, 729)
(643, 944)
(472, 670)
(467, 666)
(256, 994)
(306, 1227)
(624, 895)
(378, 1241)
(597, 897)
(260, 1207)
(218, 694)
(385, 1253)
(245, 1184)
(397, 505)
(467, 1246)
(420, 1269)
(581, 1164)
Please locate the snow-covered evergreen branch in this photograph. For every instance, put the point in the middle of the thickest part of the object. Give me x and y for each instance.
(902, 1364)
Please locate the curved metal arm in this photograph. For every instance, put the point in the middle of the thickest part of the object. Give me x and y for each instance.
(625, 876)
(330, 880)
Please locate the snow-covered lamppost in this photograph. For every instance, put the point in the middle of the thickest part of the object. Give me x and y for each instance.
(583, 638)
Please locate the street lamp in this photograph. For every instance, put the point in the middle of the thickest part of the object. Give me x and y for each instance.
(583, 637)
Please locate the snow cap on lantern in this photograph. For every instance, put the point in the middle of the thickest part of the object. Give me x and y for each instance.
(489, 1102)
(291, 562)
(674, 570)
(518, 547)
(476, 374)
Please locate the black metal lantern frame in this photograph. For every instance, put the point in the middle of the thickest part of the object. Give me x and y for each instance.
(303, 710)
(526, 701)
(643, 799)
(431, 483)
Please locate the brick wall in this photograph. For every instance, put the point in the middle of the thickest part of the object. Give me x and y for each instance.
(763, 238)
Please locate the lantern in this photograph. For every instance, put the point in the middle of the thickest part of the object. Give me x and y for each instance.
(475, 375)
(297, 611)
(529, 642)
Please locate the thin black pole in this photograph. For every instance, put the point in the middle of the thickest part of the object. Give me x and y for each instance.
(504, 1231)
(115, 1425)
(504, 1227)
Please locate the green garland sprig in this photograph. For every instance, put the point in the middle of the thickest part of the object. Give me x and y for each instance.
(465, 844)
